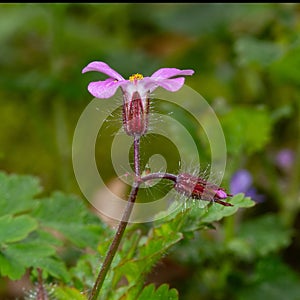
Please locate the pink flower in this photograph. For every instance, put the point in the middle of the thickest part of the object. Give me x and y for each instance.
(136, 83)
(135, 91)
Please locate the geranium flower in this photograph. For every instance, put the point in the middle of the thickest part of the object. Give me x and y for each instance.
(135, 91)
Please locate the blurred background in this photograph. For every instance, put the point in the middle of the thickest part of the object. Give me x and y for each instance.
(246, 59)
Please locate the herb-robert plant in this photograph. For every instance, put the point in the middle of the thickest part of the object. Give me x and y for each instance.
(135, 114)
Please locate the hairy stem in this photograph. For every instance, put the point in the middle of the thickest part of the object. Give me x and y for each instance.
(115, 243)
(152, 176)
(122, 225)
(136, 146)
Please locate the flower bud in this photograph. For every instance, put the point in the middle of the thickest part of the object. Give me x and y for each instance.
(198, 188)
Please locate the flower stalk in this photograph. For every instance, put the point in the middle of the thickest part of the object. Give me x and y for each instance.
(115, 243)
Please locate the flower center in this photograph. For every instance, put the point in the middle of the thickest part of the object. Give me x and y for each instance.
(136, 77)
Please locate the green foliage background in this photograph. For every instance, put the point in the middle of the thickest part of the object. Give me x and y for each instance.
(246, 59)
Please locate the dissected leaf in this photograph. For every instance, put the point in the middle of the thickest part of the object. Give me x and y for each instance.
(13, 229)
(45, 237)
(27, 253)
(69, 216)
(84, 272)
(17, 257)
(130, 244)
(163, 292)
(191, 216)
(24, 243)
(17, 193)
(150, 251)
(217, 212)
(54, 267)
(10, 267)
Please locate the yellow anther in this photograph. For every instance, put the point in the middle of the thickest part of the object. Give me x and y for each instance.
(136, 76)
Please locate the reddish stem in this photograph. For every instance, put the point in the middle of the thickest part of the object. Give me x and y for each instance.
(122, 225)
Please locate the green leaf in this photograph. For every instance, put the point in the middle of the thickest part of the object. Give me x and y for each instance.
(17, 193)
(162, 293)
(84, 271)
(68, 293)
(68, 215)
(13, 229)
(130, 244)
(150, 250)
(45, 237)
(27, 253)
(61, 208)
(246, 129)
(17, 257)
(193, 217)
(54, 267)
(260, 237)
(216, 212)
(10, 267)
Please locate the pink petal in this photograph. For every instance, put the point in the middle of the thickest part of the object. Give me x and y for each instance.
(221, 194)
(104, 89)
(104, 68)
(166, 73)
(171, 85)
